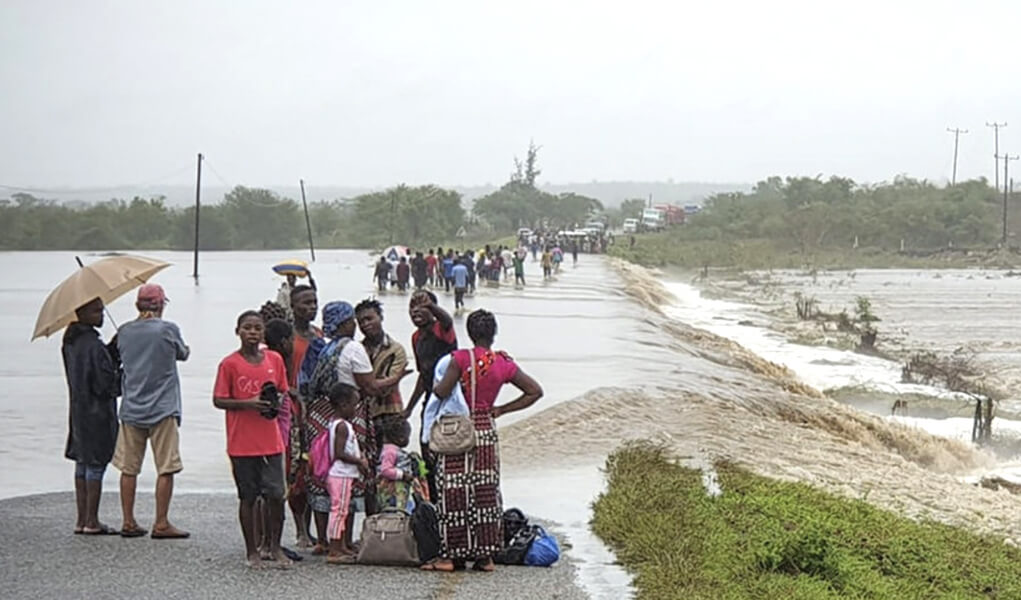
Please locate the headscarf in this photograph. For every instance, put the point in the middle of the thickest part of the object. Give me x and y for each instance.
(334, 315)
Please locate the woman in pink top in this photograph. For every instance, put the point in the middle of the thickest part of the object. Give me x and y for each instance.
(470, 505)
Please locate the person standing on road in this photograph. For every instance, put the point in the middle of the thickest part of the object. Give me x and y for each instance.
(430, 267)
(382, 273)
(434, 338)
(93, 388)
(388, 358)
(419, 270)
(471, 529)
(460, 284)
(247, 382)
(150, 409)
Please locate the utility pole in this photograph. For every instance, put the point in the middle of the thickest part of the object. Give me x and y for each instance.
(996, 150)
(957, 134)
(198, 193)
(308, 223)
(1006, 163)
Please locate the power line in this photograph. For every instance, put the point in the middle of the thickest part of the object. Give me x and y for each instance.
(957, 134)
(996, 150)
(98, 190)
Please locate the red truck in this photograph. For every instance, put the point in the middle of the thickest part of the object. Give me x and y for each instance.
(672, 215)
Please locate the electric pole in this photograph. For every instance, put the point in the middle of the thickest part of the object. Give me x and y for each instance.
(1006, 163)
(957, 134)
(996, 150)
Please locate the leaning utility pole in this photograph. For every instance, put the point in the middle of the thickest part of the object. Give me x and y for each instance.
(198, 194)
(996, 150)
(957, 134)
(1006, 162)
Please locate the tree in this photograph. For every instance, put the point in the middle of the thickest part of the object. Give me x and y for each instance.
(632, 208)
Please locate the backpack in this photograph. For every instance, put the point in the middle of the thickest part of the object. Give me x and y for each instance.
(425, 523)
(515, 550)
(544, 550)
(513, 521)
(320, 456)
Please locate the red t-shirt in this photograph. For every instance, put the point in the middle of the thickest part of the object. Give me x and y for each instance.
(298, 356)
(430, 263)
(248, 432)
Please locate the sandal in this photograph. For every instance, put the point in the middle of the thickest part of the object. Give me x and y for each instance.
(103, 530)
(133, 532)
(443, 565)
(341, 559)
(485, 565)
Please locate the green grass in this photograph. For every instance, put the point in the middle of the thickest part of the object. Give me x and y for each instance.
(769, 539)
(668, 249)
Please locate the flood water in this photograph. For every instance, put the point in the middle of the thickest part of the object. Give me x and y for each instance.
(614, 363)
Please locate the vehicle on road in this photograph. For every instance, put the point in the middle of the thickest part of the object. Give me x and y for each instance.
(631, 225)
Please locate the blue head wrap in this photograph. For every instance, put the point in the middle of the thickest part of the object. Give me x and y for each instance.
(335, 314)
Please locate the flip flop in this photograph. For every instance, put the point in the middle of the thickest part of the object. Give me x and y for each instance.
(134, 532)
(291, 554)
(170, 534)
(103, 530)
(486, 566)
(343, 559)
(435, 565)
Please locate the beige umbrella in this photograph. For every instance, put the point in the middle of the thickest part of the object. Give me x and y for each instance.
(107, 279)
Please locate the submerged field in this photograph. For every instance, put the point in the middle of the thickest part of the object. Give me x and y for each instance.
(764, 538)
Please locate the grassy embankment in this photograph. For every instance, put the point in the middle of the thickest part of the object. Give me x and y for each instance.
(769, 539)
(668, 249)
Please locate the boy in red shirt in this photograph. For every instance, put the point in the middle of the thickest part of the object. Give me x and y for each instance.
(253, 436)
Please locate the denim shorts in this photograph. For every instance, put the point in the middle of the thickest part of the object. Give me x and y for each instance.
(89, 472)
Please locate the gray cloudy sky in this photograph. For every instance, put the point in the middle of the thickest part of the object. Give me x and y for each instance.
(376, 93)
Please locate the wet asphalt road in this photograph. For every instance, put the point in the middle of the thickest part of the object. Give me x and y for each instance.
(40, 558)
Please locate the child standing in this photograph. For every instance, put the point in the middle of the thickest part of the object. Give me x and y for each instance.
(400, 472)
(248, 384)
(347, 462)
(547, 264)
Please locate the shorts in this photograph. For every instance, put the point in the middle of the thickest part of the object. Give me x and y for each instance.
(89, 472)
(163, 437)
(257, 476)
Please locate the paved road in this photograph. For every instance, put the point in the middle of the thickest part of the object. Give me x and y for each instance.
(40, 558)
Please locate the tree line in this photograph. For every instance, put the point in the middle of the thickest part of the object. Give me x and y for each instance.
(809, 213)
(259, 219)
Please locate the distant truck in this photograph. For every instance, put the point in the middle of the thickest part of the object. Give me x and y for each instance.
(662, 216)
(631, 225)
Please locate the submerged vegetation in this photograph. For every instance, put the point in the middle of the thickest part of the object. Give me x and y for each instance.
(770, 539)
(799, 221)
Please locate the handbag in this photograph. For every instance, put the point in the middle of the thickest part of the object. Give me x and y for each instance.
(388, 539)
(455, 434)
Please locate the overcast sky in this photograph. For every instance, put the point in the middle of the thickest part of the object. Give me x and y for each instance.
(377, 93)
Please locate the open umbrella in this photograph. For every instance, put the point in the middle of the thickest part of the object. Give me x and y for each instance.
(394, 253)
(107, 279)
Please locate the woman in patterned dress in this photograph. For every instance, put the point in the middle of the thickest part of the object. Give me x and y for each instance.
(318, 374)
(470, 505)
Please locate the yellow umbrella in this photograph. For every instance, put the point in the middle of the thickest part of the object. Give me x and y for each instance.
(107, 279)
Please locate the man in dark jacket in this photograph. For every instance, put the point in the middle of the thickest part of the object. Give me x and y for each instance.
(92, 381)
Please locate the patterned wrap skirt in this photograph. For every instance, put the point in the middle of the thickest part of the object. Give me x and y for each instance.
(470, 504)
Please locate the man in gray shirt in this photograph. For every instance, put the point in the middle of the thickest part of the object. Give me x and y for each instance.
(150, 408)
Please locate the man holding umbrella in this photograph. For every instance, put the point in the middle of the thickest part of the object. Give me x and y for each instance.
(150, 409)
(93, 385)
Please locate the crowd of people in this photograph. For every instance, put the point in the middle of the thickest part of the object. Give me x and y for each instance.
(291, 383)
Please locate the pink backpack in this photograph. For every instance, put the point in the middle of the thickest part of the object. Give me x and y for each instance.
(320, 456)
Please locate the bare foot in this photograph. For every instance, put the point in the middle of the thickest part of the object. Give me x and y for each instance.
(254, 561)
(265, 554)
(304, 542)
(282, 562)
